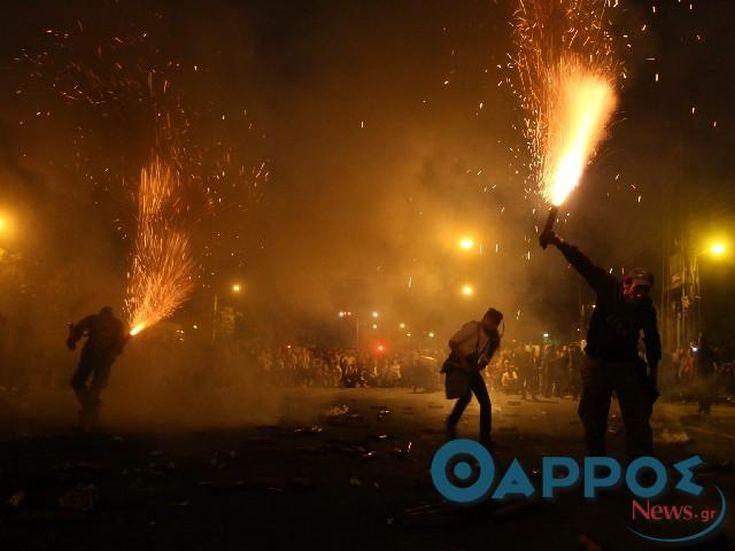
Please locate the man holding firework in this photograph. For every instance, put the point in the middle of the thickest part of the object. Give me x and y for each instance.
(622, 311)
(106, 338)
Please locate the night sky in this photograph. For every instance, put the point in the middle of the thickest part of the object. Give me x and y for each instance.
(334, 152)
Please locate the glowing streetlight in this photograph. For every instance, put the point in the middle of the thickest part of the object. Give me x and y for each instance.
(402, 325)
(376, 314)
(468, 290)
(236, 287)
(375, 325)
(466, 243)
(431, 334)
(718, 248)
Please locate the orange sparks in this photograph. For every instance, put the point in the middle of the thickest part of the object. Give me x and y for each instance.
(567, 72)
(161, 277)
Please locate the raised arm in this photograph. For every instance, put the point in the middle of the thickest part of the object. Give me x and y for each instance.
(593, 274)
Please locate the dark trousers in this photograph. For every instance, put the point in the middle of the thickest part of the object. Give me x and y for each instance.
(96, 367)
(599, 380)
(478, 388)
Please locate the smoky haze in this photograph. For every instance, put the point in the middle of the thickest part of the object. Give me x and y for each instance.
(386, 131)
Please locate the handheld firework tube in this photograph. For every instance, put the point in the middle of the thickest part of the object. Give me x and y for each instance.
(553, 211)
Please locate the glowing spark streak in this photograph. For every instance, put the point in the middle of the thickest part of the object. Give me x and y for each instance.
(584, 106)
(566, 67)
(162, 268)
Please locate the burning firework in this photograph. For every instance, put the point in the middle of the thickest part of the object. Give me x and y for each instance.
(161, 278)
(566, 66)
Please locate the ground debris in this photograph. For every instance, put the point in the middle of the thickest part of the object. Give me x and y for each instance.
(337, 411)
(81, 498)
(674, 437)
(403, 452)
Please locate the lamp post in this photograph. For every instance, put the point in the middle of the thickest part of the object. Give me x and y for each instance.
(235, 289)
(716, 249)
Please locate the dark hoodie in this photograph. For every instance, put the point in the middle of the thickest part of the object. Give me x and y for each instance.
(616, 323)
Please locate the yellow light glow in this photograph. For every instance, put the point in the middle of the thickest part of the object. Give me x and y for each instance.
(137, 329)
(402, 325)
(718, 248)
(468, 290)
(466, 243)
(375, 314)
(236, 288)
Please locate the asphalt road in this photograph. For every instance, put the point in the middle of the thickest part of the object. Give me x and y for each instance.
(325, 468)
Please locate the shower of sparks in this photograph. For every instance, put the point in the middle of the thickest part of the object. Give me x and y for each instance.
(567, 71)
(162, 272)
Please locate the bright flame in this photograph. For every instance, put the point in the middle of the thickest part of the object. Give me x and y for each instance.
(583, 104)
(160, 279)
(566, 68)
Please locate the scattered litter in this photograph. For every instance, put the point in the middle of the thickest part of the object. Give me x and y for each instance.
(674, 437)
(80, 498)
(402, 452)
(382, 413)
(369, 455)
(379, 436)
(337, 411)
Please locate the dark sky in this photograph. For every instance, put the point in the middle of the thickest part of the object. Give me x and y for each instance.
(348, 147)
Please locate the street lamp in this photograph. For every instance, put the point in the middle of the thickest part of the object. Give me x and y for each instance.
(468, 290)
(716, 249)
(235, 289)
(466, 243)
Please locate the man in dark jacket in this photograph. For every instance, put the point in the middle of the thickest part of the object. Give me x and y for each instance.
(106, 338)
(622, 311)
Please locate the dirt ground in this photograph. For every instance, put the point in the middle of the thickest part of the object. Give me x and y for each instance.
(330, 469)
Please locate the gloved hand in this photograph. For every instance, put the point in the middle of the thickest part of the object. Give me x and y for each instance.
(548, 237)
